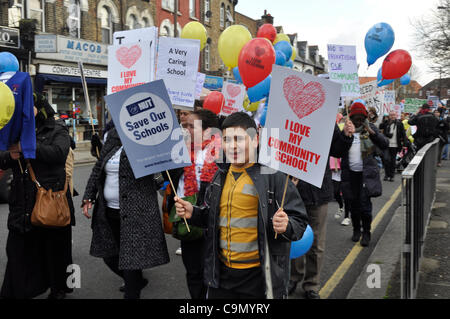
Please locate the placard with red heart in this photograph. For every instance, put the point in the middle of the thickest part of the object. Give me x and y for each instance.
(233, 90)
(303, 99)
(128, 56)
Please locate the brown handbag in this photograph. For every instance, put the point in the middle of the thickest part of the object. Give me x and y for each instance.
(51, 209)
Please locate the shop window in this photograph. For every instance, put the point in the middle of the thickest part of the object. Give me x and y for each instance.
(36, 12)
(15, 13)
(106, 22)
(73, 21)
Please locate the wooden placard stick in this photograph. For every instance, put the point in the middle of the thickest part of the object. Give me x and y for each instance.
(284, 196)
(175, 192)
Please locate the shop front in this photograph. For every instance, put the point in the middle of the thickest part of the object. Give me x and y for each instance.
(59, 79)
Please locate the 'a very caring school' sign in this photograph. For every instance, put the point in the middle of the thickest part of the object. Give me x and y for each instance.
(148, 128)
(300, 124)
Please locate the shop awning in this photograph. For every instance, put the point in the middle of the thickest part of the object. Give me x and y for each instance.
(42, 78)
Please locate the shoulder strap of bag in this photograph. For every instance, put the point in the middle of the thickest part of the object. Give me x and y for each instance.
(33, 177)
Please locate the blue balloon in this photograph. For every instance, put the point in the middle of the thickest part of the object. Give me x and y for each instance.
(404, 80)
(289, 64)
(260, 90)
(280, 58)
(8, 62)
(381, 81)
(237, 75)
(284, 47)
(262, 119)
(379, 40)
(301, 247)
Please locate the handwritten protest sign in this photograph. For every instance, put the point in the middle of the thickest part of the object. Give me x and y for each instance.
(177, 65)
(148, 128)
(234, 95)
(128, 66)
(299, 124)
(374, 97)
(344, 68)
(388, 101)
(149, 35)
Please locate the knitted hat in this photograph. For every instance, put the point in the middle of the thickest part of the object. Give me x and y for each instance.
(358, 108)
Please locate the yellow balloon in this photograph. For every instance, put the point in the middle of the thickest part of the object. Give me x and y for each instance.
(251, 107)
(195, 30)
(281, 37)
(231, 42)
(294, 53)
(7, 105)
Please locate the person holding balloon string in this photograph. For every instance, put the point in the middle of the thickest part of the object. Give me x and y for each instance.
(243, 259)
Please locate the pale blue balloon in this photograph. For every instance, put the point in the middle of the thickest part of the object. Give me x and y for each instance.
(262, 119)
(381, 81)
(284, 47)
(302, 246)
(404, 80)
(260, 90)
(280, 58)
(289, 64)
(378, 41)
(237, 75)
(8, 62)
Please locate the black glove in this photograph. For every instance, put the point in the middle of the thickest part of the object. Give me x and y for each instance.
(96, 143)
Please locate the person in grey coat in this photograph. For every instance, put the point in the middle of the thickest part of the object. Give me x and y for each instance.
(126, 224)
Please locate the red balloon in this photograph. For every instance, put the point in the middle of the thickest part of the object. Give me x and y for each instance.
(255, 61)
(214, 102)
(396, 64)
(267, 31)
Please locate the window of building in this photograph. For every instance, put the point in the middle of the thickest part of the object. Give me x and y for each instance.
(222, 15)
(207, 57)
(145, 22)
(133, 22)
(106, 21)
(15, 13)
(164, 31)
(73, 21)
(170, 4)
(36, 11)
(207, 8)
(192, 9)
(229, 17)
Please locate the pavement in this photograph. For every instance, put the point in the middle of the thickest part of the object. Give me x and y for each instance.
(83, 156)
(434, 275)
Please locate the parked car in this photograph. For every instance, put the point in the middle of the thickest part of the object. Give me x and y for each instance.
(5, 185)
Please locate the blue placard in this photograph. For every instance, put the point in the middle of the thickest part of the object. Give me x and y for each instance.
(213, 83)
(148, 128)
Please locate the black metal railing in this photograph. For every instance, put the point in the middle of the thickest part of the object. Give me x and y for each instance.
(418, 194)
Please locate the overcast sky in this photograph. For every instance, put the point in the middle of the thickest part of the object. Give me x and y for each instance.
(322, 22)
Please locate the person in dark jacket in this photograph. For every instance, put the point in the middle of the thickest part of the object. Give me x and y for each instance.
(190, 183)
(243, 257)
(307, 268)
(360, 172)
(37, 257)
(126, 224)
(394, 130)
(426, 124)
(442, 133)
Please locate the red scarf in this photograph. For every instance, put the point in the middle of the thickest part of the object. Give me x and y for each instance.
(209, 166)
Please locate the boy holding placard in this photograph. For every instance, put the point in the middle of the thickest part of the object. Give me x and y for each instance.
(243, 259)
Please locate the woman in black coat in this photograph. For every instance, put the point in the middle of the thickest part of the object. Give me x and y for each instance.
(37, 257)
(126, 223)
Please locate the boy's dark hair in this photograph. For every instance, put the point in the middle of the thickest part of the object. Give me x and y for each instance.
(208, 118)
(242, 120)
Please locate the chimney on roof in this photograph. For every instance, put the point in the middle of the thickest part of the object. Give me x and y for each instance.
(267, 18)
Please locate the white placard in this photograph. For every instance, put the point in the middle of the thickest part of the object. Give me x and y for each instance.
(343, 68)
(199, 85)
(299, 125)
(389, 101)
(374, 97)
(128, 66)
(177, 65)
(234, 95)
